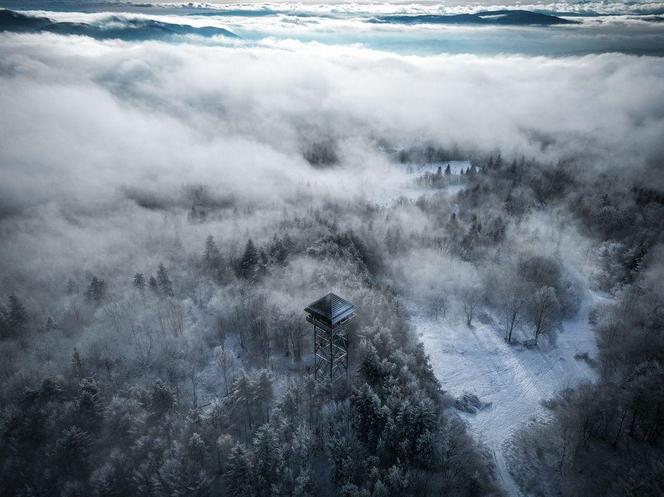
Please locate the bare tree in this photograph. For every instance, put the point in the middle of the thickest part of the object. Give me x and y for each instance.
(470, 298)
(438, 305)
(513, 302)
(225, 361)
(295, 335)
(171, 317)
(543, 309)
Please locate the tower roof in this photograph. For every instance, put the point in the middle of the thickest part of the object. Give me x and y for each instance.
(330, 309)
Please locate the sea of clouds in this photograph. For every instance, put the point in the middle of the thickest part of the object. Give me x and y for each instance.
(100, 139)
(83, 117)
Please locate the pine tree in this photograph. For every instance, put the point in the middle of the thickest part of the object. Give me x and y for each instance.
(349, 490)
(196, 450)
(165, 285)
(448, 170)
(212, 254)
(263, 262)
(17, 315)
(509, 202)
(289, 245)
(425, 452)
(77, 364)
(72, 287)
(397, 480)
(178, 478)
(89, 408)
(154, 286)
(96, 290)
(50, 324)
(367, 418)
(239, 474)
(278, 250)
(72, 450)
(161, 399)
(4, 322)
(267, 459)
(249, 260)
(262, 392)
(303, 483)
(139, 281)
(380, 490)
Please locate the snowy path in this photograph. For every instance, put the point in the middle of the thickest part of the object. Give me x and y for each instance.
(513, 379)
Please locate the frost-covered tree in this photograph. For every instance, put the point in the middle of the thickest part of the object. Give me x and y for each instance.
(212, 257)
(77, 364)
(249, 261)
(470, 299)
(154, 284)
(163, 281)
(139, 281)
(268, 460)
(16, 316)
(543, 311)
(239, 476)
(96, 290)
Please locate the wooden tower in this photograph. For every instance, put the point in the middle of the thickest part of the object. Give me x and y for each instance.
(330, 317)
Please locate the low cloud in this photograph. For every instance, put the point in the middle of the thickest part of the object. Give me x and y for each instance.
(84, 118)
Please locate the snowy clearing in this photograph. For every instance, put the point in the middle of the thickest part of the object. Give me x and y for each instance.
(512, 378)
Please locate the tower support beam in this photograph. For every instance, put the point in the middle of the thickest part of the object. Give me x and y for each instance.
(330, 317)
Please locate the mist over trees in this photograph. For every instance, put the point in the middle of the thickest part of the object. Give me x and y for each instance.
(192, 374)
(606, 437)
(159, 245)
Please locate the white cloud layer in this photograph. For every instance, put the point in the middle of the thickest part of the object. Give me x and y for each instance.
(90, 120)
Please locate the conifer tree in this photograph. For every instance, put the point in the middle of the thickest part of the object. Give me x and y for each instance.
(4, 322)
(239, 477)
(139, 281)
(50, 324)
(212, 253)
(154, 285)
(72, 287)
(77, 364)
(267, 459)
(289, 244)
(164, 282)
(17, 315)
(249, 260)
(96, 290)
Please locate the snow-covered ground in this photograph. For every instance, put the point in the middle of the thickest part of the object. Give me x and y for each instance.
(512, 378)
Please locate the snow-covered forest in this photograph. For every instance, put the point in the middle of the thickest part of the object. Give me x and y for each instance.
(178, 184)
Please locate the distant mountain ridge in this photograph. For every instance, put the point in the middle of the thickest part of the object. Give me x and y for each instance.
(490, 17)
(118, 28)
